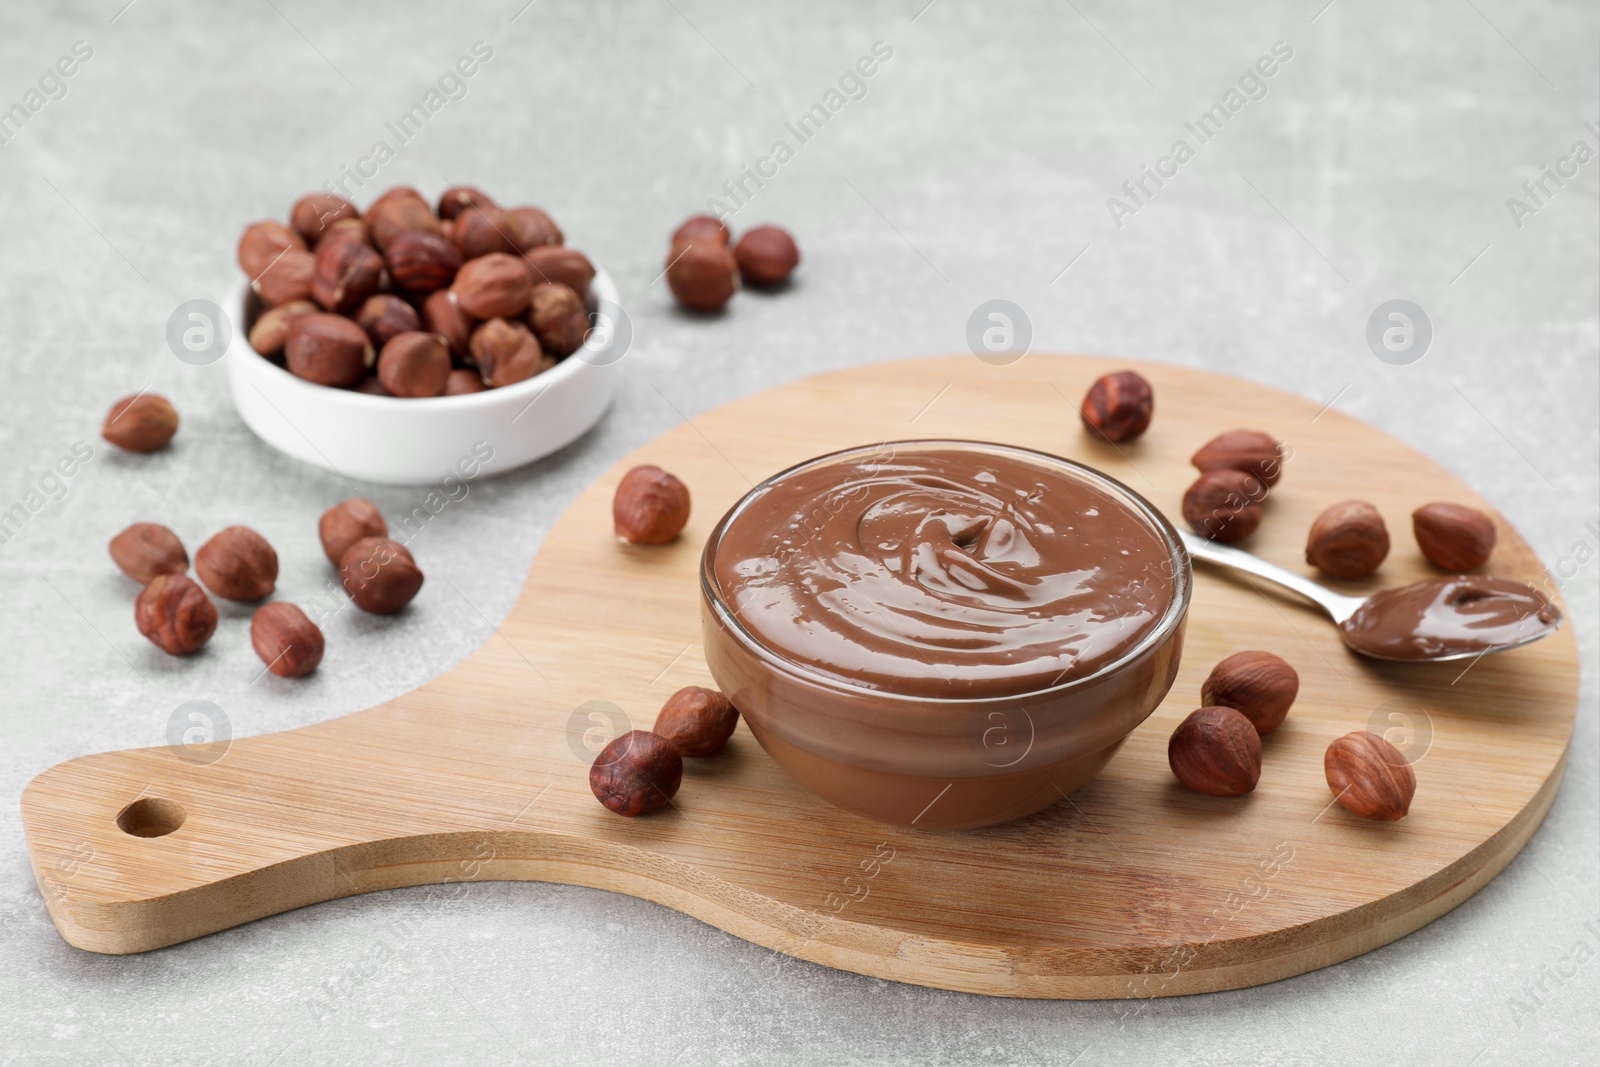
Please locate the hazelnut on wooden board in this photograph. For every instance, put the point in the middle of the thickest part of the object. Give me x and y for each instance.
(175, 614)
(347, 272)
(482, 229)
(328, 349)
(1243, 450)
(1118, 406)
(702, 274)
(380, 575)
(698, 721)
(271, 329)
(237, 564)
(558, 318)
(392, 215)
(456, 199)
(1216, 751)
(1224, 505)
(414, 364)
(506, 353)
(147, 550)
(766, 255)
(651, 507)
(637, 773)
(144, 422)
(292, 276)
(422, 262)
(696, 227)
(531, 228)
(264, 241)
(558, 263)
(288, 642)
(1369, 776)
(442, 314)
(386, 317)
(1348, 540)
(346, 523)
(1454, 537)
(315, 213)
(1258, 685)
(495, 286)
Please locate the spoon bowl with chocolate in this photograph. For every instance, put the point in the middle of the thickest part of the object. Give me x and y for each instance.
(943, 634)
(1438, 619)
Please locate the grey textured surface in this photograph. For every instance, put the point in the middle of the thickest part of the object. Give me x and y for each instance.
(977, 165)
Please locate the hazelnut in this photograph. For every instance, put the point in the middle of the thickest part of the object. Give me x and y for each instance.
(347, 272)
(271, 330)
(422, 262)
(175, 614)
(558, 263)
(456, 199)
(328, 349)
(348, 522)
(558, 318)
(495, 286)
(766, 255)
(292, 276)
(346, 230)
(314, 214)
(1118, 406)
(697, 721)
(442, 314)
(637, 773)
(651, 506)
(144, 422)
(506, 353)
(1258, 685)
(698, 227)
(1243, 450)
(531, 228)
(396, 213)
(147, 550)
(1216, 751)
(1369, 776)
(396, 192)
(702, 274)
(1224, 505)
(481, 230)
(380, 575)
(238, 564)
(463, 381)
(414, 364)
(1348, 540)
(286, 640)
(1453, 537)
(262, 242)
(385, 316)
(371, 386)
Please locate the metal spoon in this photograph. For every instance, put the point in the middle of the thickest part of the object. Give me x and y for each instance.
(1338, 606)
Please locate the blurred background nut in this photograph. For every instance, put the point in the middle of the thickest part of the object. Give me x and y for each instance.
(698, 227)
(1369, 776)
(385, 316)
(271, 329)
(442, 314)
(636, 773)
(1258, 453)
(328, 349)
(1216, 751)
(346, 230)
(1258, 685)
(144, 422)
(702, 274)
(264, 241)
(175, 614)
(1348, 540)
(396, 212)
(314, 213)
(348, 522)
(558, 263)
(380, 575)
(421, 262)
(147, 550)
(463, 381)
(1118, 406)
(1453, 537)
(697, 721)
(506, 353)
(532, 228)
(558, 318)
(347, 272)
(291, 276)
(766, 255)
(495, 286)
(237, 564)
(456, 199)
(414, 364)
(482, 229)
(287, 641)
(1224, 505)
(651, 507)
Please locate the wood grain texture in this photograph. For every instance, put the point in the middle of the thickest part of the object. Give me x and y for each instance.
(1135, 887)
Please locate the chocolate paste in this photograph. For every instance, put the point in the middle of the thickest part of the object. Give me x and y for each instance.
(944, 573)
(1464, 615)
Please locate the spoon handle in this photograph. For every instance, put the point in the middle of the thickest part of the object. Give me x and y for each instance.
(1338, 606)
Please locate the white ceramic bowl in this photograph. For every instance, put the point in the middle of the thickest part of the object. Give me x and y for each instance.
(417, 442)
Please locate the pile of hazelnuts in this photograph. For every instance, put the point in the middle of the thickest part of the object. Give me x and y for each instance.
(411, 301)
(705, 265)
(238, 564)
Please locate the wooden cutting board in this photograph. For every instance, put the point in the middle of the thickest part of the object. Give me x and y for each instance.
(1135, 887)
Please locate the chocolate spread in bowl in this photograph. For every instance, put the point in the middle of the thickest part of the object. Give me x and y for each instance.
(1456, 616)
(944, 573)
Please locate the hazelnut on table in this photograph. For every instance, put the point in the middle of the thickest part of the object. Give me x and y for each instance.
(144, 422)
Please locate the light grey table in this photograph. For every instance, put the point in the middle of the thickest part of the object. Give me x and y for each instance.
(976, 163)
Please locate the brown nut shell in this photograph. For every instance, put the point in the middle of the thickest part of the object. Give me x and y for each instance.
(385, 317)
(175, 614)
(414, 365)
(314, 214)
(1369, 776)
(637, 773)
(1224, 505)
(1454, 537)
(495, 286)
(766, 255)
(328, 349)
(651, 507)
(292, 276)
(1259, 453)
(262, 242)
(144, 422)
(1348, 540)
(558, 318)
(271, 329)
(456, 199)
(506, 353)
(380, 575)
(347, 273)
(702, 227)
(423, 262)
(702, 275)
(346, 523)
(1118, 406)
(482, 229)
(1216, 751)
(559, 264)
(147, 550)
(1258, 685)
(238, 564)
(698, 721)
(442, 314)
(288, 642)
(462, 381)
(396, 213)
(531, 228)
